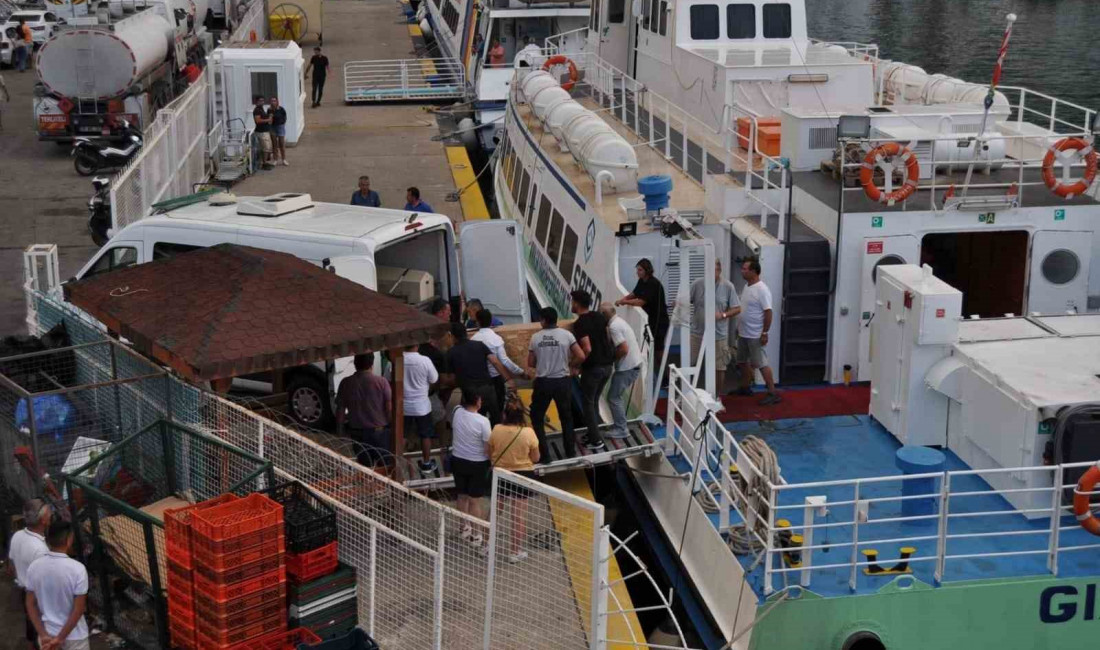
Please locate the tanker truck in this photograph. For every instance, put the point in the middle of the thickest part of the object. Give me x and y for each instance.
(124, 63)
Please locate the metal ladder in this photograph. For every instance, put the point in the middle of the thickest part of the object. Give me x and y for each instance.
(235, 152)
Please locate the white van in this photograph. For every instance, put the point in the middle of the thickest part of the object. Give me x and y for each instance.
(407, 254)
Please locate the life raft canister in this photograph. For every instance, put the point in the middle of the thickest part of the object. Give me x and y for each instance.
(561, 59)
(874, 158)
(1081, 499)
(1083, 149)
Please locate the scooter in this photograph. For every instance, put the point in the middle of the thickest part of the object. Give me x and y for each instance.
(90, 156)
(99, 210)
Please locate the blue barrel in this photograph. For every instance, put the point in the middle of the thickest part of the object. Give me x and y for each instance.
(919, 460)
(654, 190)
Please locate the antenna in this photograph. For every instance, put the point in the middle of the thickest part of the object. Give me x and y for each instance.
(989, 97)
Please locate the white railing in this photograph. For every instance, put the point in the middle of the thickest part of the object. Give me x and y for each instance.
(959, 507)
(560, 43)
(172, 160)
(403, 79)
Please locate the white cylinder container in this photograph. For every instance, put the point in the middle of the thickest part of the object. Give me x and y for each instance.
(559, 116)
(545, 99)
(122, 57)
(535, 82)
(582, 127)
(610, 152)
(949, 152)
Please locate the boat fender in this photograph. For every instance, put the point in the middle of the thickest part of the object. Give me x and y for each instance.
(877, 157)
(561, 59)
(1080, 149)
(863, 640)
(1081, 499)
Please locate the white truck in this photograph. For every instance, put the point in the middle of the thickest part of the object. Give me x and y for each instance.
(124, 62)
(406, 254)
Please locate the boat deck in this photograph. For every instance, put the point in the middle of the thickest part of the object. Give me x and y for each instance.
(847, 447)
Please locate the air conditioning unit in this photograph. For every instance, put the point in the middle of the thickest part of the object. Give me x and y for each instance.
(275, 205)
(411, 285)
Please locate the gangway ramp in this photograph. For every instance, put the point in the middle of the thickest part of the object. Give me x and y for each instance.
(386, 80)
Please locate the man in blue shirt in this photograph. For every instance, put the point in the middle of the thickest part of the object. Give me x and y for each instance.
(413, 202)
(365, 196)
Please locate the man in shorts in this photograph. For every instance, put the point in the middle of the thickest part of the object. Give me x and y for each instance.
(470, 465)
(278, 132)
(262, 117)
(726, 307)
(420, 374)
(752, 332)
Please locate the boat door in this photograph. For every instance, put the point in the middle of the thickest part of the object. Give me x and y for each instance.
(1059, 275)
(361, 270)
(616, 33)
(491, 255)
(878, 251)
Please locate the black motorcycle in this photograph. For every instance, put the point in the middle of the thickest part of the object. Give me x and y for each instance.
(91, 155)
(99, 210)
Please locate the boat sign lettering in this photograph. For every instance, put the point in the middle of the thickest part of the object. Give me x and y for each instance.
(555, 290)
(581, 282)
(1062, 603)
(874, 248)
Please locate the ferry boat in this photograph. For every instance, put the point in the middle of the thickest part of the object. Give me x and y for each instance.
(688, 120)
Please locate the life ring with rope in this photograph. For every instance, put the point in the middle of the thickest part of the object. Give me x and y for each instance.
(1080, 148)
(876, 157)
(1081, 500)
(561, 59)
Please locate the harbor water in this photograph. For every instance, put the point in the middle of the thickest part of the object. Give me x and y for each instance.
(1053, 44)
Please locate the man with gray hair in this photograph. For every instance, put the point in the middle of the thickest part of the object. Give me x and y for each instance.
(628, 363)
(27, 545)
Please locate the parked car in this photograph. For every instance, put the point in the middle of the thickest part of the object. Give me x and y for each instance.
(7, 49)
(42, 24)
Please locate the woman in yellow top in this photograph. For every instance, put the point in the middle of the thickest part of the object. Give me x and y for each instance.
(513, 446)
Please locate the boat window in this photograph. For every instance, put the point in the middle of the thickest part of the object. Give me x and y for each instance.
(553, 244)
(777, 21)
(645, 14)
(517, 165)
(531, 215)
(116, 258)
(653, 15)
(594, 17)
(568, 255)
(616, 11)
(704, 22)
(663, 22)
(450, 16)
(524, 185)
(163, 250)
(544, 220)
(740, 21)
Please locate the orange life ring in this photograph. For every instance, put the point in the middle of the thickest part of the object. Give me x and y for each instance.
(867, 173)
(1081, 498)
(1068, 191)
(561, 59)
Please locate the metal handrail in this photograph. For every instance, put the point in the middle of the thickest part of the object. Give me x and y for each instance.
(404, 79)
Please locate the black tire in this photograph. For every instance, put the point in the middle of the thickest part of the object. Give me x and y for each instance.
(863, 641)
(308, 401)
(84, 164)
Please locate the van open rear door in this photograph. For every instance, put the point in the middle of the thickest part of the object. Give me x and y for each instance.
(360, 270)
(491, 255)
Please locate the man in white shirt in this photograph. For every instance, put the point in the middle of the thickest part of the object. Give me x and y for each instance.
(420, 374)
(492, 340)
(752, 332)
(628, 363)
(57, 593)
(27, 545)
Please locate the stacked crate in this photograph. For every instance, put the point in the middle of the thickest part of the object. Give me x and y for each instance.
(239, 572)
(289, 640)
(322, 598)
(180, 569)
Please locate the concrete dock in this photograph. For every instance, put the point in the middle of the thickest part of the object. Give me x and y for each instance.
(391, 143)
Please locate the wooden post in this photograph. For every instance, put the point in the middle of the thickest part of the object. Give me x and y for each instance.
(397, 355)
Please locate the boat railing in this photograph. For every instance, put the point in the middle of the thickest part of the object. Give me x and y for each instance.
(1045, 111)
(558, 43)
(949, 522)
(403, 79)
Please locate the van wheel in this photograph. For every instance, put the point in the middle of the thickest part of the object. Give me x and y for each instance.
(307, 401)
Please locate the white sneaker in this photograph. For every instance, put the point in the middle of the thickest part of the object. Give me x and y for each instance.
(285, 164)
(467, 533)
(475, 539)
(517, 557)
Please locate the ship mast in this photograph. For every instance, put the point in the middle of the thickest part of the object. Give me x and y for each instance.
(1001, 55)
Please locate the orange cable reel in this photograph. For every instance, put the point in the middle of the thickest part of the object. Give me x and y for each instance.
(561, 59)
(1081, 500)
(1064, 149)
(877, 157)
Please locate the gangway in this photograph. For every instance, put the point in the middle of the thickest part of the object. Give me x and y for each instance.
(389, 80)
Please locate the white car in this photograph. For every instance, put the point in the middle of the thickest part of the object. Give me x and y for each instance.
(6, 49)
(42, 24)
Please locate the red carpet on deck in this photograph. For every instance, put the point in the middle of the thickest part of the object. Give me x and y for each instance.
(797, 403)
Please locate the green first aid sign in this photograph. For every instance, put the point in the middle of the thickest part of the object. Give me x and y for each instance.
(876, 222)
(1059, 215)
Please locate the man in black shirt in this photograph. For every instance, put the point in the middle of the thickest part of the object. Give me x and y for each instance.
(590, 330)
(262, 117)
(440, 393)
(649, 294)
(278, 132)
(318, 65)
(469, 362)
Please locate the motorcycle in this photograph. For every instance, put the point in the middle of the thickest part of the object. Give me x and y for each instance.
(91, 155)
(99, 210)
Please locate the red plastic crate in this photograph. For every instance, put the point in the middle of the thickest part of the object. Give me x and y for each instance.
(280, 640)
(181, 633)
(211, 625)
(303, 567)
(238, 550)
(222, 608)
(251, 514)
(217, 591)
(179, 577)
(206, 637)
(235, 574)
(177, 528)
